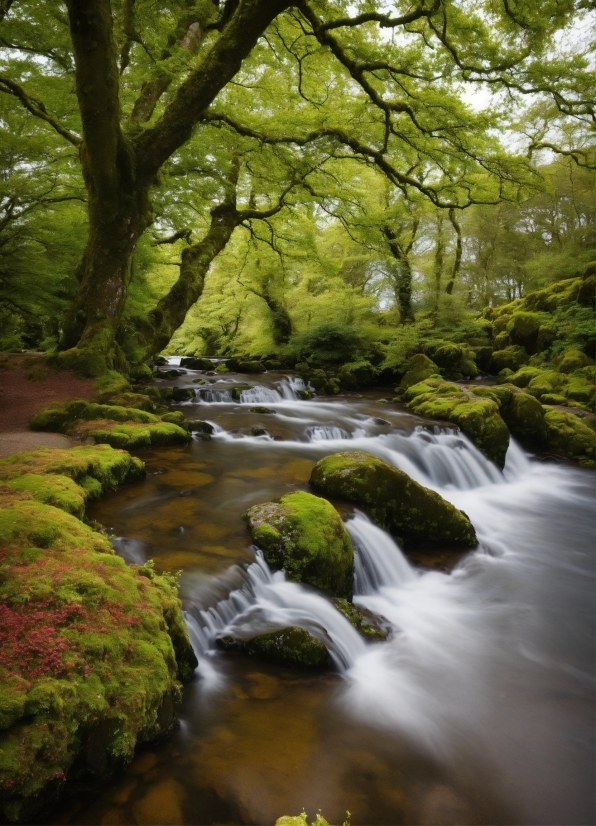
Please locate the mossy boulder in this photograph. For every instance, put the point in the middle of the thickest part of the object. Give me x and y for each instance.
(572, 360)
(356, 374)
(370, 626)
(174, 417)
(245, 366)
(523, 329)
(91, 651)
(416, 515)
(577, 388)
(291, 646)
(304, 535)
(133, 436)
(420, 367)
(567, 435)
(194, 363)
(477, 416)
(521, 412)
(511, 358)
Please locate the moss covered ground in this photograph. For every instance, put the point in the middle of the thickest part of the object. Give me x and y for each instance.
(122, 427)
(92, 651)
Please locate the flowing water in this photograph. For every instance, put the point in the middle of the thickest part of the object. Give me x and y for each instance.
(479, 708)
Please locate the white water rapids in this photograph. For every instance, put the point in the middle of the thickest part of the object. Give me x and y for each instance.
(489, 665)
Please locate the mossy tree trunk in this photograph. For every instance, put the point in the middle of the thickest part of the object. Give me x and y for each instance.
(403, 281)
(120, 164)
(458, 252)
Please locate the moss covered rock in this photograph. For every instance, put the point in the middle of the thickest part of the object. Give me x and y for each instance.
(420, 367)
(576, 388)
(477, 416)
(194, 363)
(304, 535)
(510, 358)
(292, 646)
(91, 651)
(370, 626)
(520, 411)
(568, 436)
(418, 516)
(140, 401)
(523, 329)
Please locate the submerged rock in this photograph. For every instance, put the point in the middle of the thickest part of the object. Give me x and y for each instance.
(370, 626)
(413, 513)
(263, 410)
(304, 535)
(291, 646)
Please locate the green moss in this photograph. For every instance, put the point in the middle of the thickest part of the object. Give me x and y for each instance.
(420, 367)
(477, 417)
(418, 516)
(292, 646)
(571, 360)
(140, 401)
(368, 625)
(523, 329)
(511, 358)
(109, 468)
(524, 376)
(567, 435)
(57, 490)
(174, 417)
(305, 535)
(61, 417)
(90, 649)
(112, 383)
(135, 437)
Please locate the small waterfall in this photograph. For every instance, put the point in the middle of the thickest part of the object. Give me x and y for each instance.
(211, 395)
(378, 560)
(265, 601)
(437, 460)
(291, 386)
(260, 395)
(322, 433)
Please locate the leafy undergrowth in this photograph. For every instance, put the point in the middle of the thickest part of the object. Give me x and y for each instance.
(92, 651)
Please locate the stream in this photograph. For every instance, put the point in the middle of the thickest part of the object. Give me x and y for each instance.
(478, 709)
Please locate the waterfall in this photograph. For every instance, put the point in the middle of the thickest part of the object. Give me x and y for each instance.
(265, 601)
(321, 433)
(260, 395)
(211, 395)
(378, 560)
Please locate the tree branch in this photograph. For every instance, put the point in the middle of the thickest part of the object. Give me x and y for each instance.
(34, 105)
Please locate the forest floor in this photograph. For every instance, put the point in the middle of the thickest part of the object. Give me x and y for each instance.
(25, 387)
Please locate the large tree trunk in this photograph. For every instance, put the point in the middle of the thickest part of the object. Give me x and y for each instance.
(458, 252)
(403, 280)
(119, 173)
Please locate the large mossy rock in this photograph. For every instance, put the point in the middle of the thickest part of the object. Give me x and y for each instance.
(417, 516)
(304, 535)
(292, 646)
(510, 358)
(521, 412)
(420, 367)
(91, 650)
(567, 435)
(478, 417)
(194, 363)
(370, 626)
(575, 387)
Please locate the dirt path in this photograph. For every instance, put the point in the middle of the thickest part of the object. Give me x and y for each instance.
(21, 398)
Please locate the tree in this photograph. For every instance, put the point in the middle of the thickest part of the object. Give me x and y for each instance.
(149, 79)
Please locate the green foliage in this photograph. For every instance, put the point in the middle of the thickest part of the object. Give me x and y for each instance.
(329, 344)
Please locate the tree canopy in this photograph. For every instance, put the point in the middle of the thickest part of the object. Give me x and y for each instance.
(298, 154)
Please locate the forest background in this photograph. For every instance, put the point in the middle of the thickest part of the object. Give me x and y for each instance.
(277, 180)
